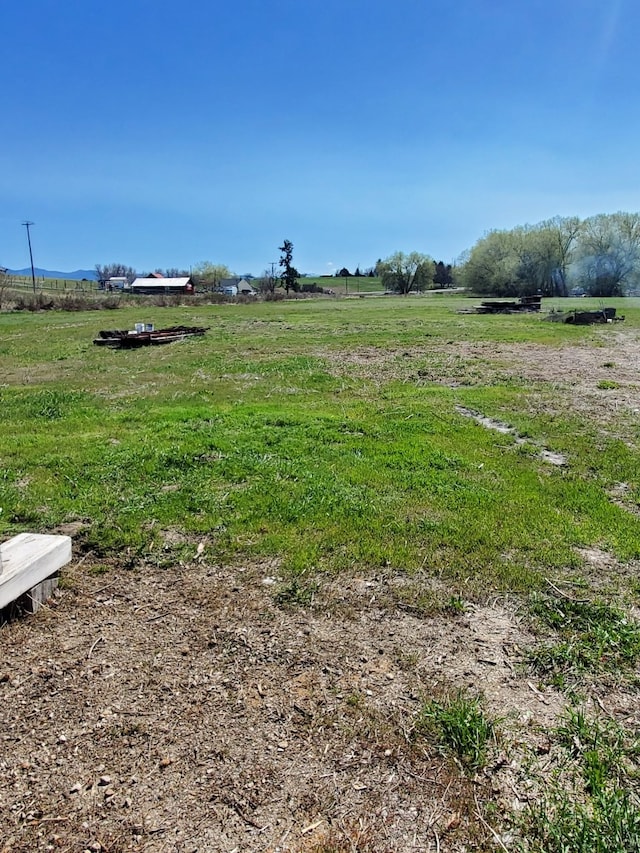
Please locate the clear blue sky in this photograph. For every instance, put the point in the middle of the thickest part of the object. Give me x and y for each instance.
(166, 133)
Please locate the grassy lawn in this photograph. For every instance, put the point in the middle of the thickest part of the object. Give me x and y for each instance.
(315, 432)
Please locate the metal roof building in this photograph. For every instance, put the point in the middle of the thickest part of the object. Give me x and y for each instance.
(162, 285)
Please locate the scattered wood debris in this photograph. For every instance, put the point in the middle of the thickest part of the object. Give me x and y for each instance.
(148, 336)
(524, 304)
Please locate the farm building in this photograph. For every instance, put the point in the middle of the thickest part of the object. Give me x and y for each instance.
(236, 287)
(159, 286)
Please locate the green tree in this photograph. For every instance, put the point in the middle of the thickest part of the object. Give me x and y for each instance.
(525, 260)
(403, 273)
(289, 274)
(491, 267)
(209, 275)
(609, 253)
(442, 274)
(564, 233)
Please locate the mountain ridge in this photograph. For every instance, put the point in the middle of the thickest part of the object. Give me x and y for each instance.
(76, 275)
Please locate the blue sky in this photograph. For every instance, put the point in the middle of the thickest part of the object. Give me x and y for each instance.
(164, 134)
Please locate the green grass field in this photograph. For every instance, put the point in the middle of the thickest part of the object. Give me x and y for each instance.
(316, 432)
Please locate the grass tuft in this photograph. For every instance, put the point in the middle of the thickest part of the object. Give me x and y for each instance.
(296, 593)
(457, 725)
(609, 823)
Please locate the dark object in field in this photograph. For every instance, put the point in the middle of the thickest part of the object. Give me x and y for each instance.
(124, 339)
(586, 318)
(524, 303)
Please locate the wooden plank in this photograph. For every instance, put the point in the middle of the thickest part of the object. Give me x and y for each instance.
(27, 559)
(34, 598)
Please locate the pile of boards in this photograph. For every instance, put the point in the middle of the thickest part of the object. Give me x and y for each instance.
(524, 303)
(125, 339)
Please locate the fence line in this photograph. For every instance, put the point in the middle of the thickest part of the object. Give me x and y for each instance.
(53, 285)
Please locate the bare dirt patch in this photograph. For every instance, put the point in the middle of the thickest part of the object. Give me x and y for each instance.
(181, 709)
(575, 370)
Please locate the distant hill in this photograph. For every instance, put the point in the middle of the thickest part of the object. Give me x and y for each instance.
(76, 275)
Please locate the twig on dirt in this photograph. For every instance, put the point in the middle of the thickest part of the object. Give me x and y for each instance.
(100, 639)
(311, 827)
(285, 836)
(487, 826)
(103, 588)
(155, 618)
(564, 595)
(237, 808)
(48, 820)
(437, 838)
(82, 559)
(600, 703)
(535, 690)
(420, 778)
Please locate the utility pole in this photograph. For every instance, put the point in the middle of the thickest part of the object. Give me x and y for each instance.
(27, 225)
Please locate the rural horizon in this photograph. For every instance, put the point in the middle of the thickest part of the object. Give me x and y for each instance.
(599, 256)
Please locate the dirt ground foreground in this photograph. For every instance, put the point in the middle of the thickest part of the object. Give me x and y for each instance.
(183, 710)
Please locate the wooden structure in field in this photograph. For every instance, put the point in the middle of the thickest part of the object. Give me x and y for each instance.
(523, 304)
(29, 566)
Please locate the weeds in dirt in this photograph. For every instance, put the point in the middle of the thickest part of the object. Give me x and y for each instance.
(458, 725)
(605, 751)
(295, 593)
(596, 807)
(347, 838)
(593, 637)
(415, 598)
(609, 823)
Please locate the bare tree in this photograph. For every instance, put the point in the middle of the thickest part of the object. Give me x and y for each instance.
(114, 270)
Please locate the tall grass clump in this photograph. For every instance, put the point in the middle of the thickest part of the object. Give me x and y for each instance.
(459, 726)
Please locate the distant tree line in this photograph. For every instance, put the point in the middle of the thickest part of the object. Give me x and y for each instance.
(344, 273)
(599, 256)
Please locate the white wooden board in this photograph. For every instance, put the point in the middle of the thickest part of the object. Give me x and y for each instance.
(28, 559)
